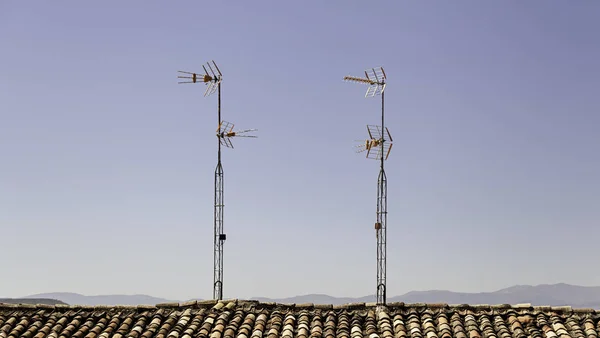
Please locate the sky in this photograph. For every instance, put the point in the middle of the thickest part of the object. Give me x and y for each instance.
(107, 164)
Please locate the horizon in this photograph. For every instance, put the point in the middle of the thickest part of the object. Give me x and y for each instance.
(307, 294)
(553, 295)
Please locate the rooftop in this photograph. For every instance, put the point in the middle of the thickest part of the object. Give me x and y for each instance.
(252, 319)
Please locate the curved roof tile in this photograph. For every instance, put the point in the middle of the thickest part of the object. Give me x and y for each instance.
(251, 319)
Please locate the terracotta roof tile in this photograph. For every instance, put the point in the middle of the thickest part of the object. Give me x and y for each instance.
(251, 319)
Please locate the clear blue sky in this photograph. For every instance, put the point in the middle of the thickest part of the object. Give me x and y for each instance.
(106, 164)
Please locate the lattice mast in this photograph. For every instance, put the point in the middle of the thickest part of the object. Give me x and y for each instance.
(224, 133)
(378, 147)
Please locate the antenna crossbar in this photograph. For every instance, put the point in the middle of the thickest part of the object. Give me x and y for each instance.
(358, 79)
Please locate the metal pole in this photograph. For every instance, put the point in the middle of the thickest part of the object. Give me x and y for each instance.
(219, 237)
(375, 79)
(219, 122)
(213, 82)
(382, 221)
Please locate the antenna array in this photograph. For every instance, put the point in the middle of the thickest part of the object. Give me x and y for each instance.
(378, 147)
(213, 82)
(224, 134)
(379, 142)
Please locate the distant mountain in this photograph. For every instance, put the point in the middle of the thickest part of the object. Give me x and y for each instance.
(545, 294)
(46, 301)
(75, 298)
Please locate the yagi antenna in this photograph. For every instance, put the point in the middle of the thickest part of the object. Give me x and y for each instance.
(225, 133)
(374, 77)
(211, 80)
(378, 145)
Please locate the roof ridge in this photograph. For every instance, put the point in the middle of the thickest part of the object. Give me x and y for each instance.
(232, 303)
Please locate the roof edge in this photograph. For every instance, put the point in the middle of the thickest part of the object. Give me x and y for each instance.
(232, 303)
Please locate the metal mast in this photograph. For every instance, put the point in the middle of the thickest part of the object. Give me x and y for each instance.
(219, 236)
(381, 141)
(224, 133)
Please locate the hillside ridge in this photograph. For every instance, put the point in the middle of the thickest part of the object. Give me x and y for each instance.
(560, 294)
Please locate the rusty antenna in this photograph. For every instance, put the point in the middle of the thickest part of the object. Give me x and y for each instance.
(224, 134)
(378, 147)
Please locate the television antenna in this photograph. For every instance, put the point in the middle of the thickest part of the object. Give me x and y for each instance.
(224, 134)
(378, 147)
(378, 144)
